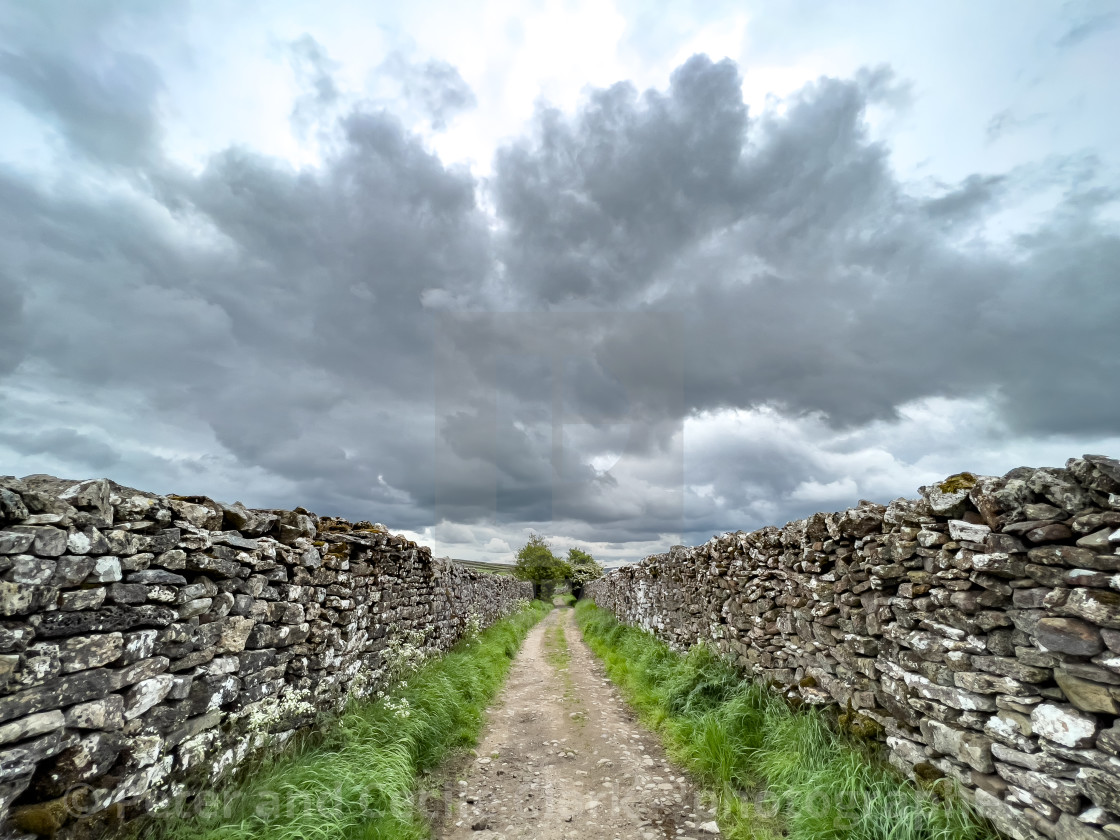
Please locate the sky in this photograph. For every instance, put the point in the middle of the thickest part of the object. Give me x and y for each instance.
(623, 274)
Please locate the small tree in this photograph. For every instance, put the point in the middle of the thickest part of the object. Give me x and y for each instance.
(537, 563)
(582, 568)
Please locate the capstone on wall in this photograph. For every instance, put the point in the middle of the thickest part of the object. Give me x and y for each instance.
(149, 645)
(979, 626)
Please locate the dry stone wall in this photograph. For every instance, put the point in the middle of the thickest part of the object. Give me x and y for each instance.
(149, 645)
(977, 629)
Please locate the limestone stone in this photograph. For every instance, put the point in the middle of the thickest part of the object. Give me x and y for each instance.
(1063, 793)
(138, 645)
(92, 495)
(1049, 532)
(252, 523)
(1043, 511)
(20, 760)
(235, 633)
(1062, 555)
(1087, 695)
(145, 694)
(197, 511)
(49, 541)
(1097, 541)
(1070, 828)
(1010, 667)
(1109, 739)
(1093, 816)
(1097, 606)
(81, 599)
(104, 713)
(106, 569)
(32, 570)
(1009, 820)
(106, 619)
(156, 576)
(1011, 728)
(990, 684)
(127, 593)
(18, 598)
(1100, 787)
(71, 570)
(91, 757)
(1040, 762)
(1069, 635)
(55, 693)
(15, 542)
(77, 654)
(12, 507)
(1064, 725)
(31, 726)
(1059, 486)
(972, 748)
(137, 671)
(967, 531)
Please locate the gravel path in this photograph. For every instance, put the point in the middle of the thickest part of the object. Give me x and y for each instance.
(562, 756)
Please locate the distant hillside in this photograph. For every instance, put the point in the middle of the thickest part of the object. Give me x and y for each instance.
(493, 568)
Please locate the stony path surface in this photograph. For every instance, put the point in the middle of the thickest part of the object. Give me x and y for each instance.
(562, 757)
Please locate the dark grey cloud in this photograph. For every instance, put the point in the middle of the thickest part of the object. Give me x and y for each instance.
(71, 66)
(805, 274)
(106, 111)
(79, 450)
(596, 205)
(967, 201)
(363, 333)
(13, 335)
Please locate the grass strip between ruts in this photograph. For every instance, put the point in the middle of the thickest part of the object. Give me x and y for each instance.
(773, 771)
(356, 781)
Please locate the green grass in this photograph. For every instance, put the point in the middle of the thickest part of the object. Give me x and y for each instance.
(356, 780)
(772, 771)
(556, 647)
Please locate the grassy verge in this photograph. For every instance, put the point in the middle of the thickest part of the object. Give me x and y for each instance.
(357, 779)
(773, 771)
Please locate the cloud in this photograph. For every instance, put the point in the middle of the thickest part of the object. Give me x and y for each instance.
(805, 275)
(1085, 21)
(70, 68)
(434, 88)
(67, 445)
(13, 335)
(661, 315)
(315, 71)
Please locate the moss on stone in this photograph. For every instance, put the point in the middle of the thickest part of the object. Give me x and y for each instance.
(860, 726)
(42, 818)
(955, 483)
(926, 774)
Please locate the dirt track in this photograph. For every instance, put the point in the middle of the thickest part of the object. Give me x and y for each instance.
(563, 757)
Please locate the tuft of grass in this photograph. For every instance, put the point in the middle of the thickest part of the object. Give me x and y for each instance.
(556, 647)
(356, 781)
(772, 770)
